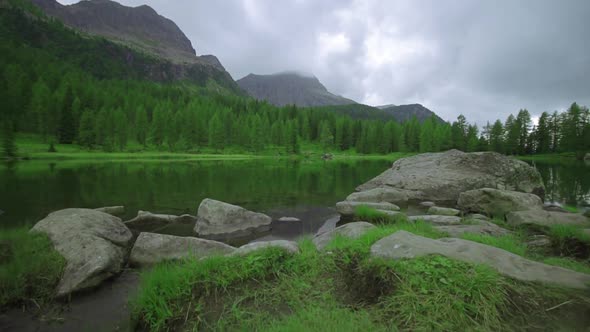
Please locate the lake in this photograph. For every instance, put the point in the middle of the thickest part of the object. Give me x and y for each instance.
(308, 190)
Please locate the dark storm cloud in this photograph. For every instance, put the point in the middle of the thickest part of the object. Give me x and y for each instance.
(484, 59)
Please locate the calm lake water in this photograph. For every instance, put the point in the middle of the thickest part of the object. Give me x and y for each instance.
(32, 189)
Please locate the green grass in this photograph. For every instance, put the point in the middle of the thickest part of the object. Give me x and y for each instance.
(29, 268)
(568, 263)
(344, 290)
(570, 240)
(511, 243)
(571, 209)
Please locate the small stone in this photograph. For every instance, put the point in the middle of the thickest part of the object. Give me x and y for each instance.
(427, 204)
(288, 219)
(289, 246)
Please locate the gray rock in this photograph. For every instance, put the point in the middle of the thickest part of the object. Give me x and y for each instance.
(441, 177)
(348, 208)
(402, 244)
(216, 220)
(329, 225)
(427, 204)
(112, 210)
(497, 202)
(538, 241)
(289, 246)
(544, 218)
(289, 219)
(152, 248)
(442, 211)
(477, 216)
(484, 228)
(378, 195)
(147, 220)
(93, 243)
(353, 230)
(390, 213)
(437, 220)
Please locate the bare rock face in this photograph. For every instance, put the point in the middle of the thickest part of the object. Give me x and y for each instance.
(441, 177)
(352, 230)
(497, 202)
(152, 248)
(216, 220)
(405, 245)
(540, 217)
(94, 244)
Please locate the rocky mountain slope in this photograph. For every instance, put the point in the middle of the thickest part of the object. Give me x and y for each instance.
(290, 88)
(404, 113)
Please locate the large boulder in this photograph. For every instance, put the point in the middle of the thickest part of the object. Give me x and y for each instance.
(483, 228)
(441, 177)
(289, 246)
(352, 230)
(539, 217)
(152, 248)
(403, 245)
(437, 220)
(348, 208)
(377, 195)
(497, 202)
(146, 220)
(94, 244)
(219, 220)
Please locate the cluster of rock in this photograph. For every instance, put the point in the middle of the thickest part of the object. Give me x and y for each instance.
(97, 244)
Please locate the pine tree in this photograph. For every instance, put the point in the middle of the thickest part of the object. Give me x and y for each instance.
(86, 131)
(497, 137)
(459, 133)
(472, 138)
(216, 133)
(543, 134)
(141, 126)
(121, 124)
(67, 128)
(427, 136)
(9, 149)
(326, 137)
(523, 122)
(512, 130)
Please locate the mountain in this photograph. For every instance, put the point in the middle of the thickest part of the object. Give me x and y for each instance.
(403, 113)
(152, 45)
(289, 88)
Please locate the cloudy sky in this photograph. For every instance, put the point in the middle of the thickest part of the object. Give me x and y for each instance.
(485, 59)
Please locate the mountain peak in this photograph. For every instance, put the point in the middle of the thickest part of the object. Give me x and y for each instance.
(290, 87)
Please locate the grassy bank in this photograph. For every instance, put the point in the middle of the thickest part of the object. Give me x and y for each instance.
(29, 268)
(343, 289)
(32, 147)
(551, 157)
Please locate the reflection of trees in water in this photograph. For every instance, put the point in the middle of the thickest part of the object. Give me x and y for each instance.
(178, 187)
(566, 182)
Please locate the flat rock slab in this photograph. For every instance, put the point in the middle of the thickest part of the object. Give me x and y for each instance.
(540, 217)
(437, 220)
(427, 204)
(146, 220)
(93, 243)
(289, 246)
(441, 177)
(152, 248)
(112, 210)
(352, 230)
(442, 211)
(484, 228)
(289, 219)
(378, 195)
(497, 202)
(348, 208)
(220, 220)
(403, 245)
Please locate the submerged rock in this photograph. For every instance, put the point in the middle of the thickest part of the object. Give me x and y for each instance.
(378, 195)
(94, 244)
(217, 220)
(353, 230)
(437, 220)
(441, 177)
(348, 208)
(289, 219)
(544, 218)
(146, 220)
(484, 228)
(289, 246)
(152, 248)
(442, 211)
(497, 202)
(112, 210)
(403, 245)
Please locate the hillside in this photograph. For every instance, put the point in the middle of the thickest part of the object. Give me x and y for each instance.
(290, 88)
(109, 57)
(402, 113)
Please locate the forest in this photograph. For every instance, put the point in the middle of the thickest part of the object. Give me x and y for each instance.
(86, 99)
